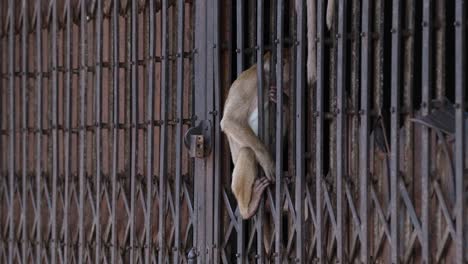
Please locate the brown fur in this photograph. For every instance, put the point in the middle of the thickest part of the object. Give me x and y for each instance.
(246, 147)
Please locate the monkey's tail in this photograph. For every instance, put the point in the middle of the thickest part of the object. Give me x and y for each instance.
(311, 55)
(330, 13)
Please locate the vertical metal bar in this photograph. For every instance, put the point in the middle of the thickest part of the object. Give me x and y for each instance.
(53, 244)
(378, 54)
(319, 126)
(180, 104)
(149, 136)
(199, 102)
(240, 67)
(134, 121)
(24, 88)
(115, 121)
(395, 120)
(352, 163)
(291, 114)
(425, 108)
(67, 142)
(460, 128)
(217, 147)
(408, 162)
(210, 166)
(82, 135)
(11, 146)
(261, 121)
(300, 128)
(97, 111)
(240, 35)
(340, 126)
(364, 128)
(163, 135)
(39, 132)
(279, 133)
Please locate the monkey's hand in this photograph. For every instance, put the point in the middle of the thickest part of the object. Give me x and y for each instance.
(273, 96)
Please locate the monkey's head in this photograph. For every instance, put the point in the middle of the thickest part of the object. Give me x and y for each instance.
(286, 65)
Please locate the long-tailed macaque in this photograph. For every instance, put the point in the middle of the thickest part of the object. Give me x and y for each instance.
(240, 121)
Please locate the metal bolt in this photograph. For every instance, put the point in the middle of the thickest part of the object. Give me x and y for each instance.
(317, 39)
(392, 30)
(393, 110)
(457, 23)
(214, 46)
(457, 105)
(363, 34)
(361, 112)
(238, 50)
(424, 23)
(338, 36)
(423, 104)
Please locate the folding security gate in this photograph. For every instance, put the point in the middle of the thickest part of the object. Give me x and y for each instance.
(111, 150)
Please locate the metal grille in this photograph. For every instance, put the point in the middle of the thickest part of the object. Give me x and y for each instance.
(95, 97)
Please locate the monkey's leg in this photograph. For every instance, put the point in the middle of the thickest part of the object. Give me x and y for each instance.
(245, 187)
(243, 178)
(244, 136)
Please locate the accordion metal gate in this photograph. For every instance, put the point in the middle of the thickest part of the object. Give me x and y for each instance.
(111, 149)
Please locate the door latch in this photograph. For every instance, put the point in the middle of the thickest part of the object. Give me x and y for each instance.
(198, 140)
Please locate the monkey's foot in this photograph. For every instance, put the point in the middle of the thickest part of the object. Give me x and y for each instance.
(259, 187)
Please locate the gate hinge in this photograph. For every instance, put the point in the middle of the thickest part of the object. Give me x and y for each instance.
(198, 139)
